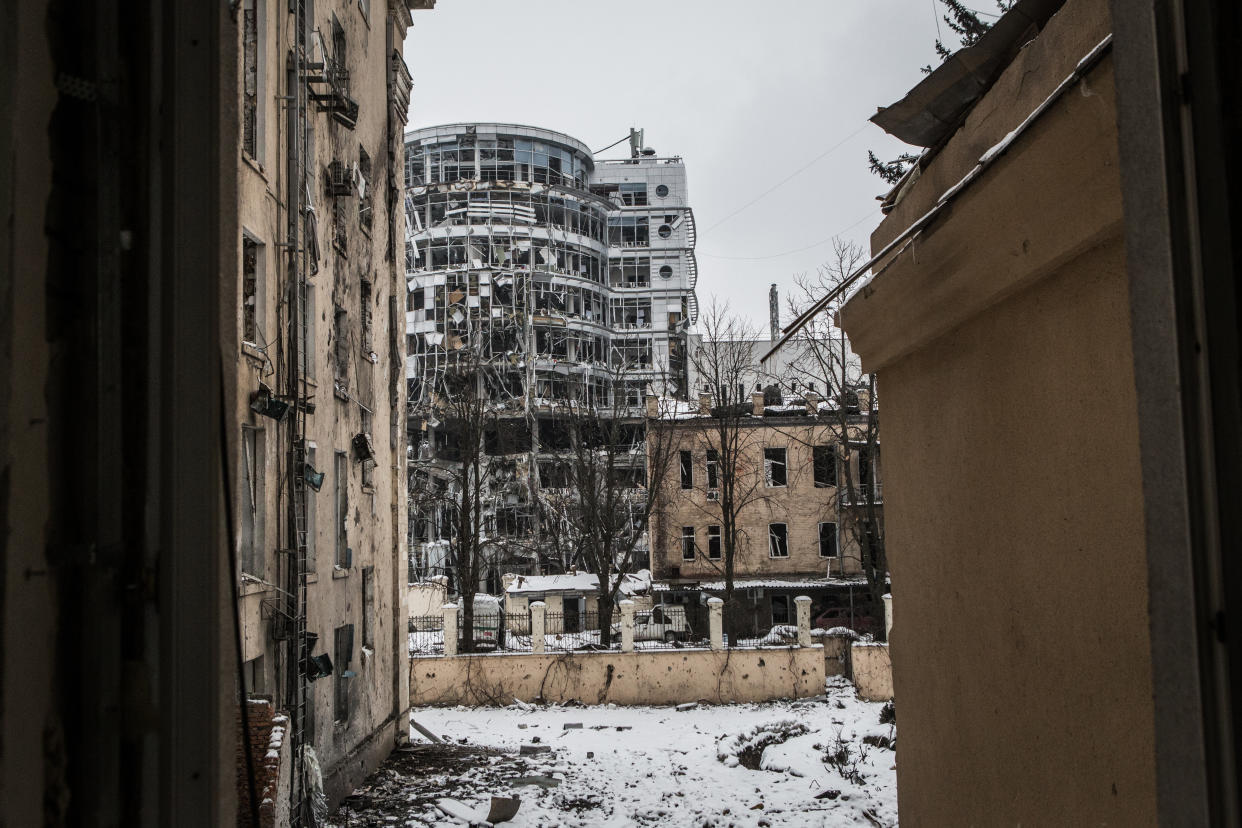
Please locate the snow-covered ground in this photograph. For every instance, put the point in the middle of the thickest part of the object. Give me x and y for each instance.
(812, 762)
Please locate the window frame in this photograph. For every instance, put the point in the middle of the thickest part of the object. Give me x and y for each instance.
(715, 539)
(251, 558)
(688, 547)
(340, 492)
(776, 540)
(836, 539)
(686, 465)
(770, 466)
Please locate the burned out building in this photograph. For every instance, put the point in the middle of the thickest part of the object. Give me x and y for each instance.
(318, 387)
(555, 280)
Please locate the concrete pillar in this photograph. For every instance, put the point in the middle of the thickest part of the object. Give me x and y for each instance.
(888, 615)
(803, 605)
(715, 622)
(538, 625)
(627, 626)
(449, 612)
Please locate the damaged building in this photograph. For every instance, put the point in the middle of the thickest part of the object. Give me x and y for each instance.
(557, 280)
(319, 388)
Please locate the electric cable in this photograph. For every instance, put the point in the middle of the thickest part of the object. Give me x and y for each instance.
(610, 146)
(805, 166)
(789, 252)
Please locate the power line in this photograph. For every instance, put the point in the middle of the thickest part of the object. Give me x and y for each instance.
(787, 178)
(798, 250)
(610, 146)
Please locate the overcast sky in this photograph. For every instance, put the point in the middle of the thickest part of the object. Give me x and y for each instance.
(746, 92)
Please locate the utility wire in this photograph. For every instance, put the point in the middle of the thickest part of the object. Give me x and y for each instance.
(823, 154)
(798, 250)
(610, 146)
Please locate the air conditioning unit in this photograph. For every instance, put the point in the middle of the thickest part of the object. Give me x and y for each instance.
(340, 179)
(713, 494)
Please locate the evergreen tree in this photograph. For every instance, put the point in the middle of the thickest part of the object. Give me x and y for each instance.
(969, 27)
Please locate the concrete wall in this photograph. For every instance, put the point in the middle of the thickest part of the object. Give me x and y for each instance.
(871, 670)
(652, 677)
(1022, 657)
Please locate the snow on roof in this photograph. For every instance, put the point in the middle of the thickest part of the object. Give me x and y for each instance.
(777, 583)
(631, 583)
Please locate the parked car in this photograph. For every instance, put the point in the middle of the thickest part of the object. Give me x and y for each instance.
(487, 618)
(861, 621)
(664, 622)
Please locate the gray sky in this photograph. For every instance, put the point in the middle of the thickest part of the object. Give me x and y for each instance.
(746, 92)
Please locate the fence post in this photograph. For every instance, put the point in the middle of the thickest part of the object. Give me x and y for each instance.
(803, 604)
(449, 613)
(715, 622)
(627, 625)
(538, 623)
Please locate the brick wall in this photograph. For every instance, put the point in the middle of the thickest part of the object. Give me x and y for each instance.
(268, 732)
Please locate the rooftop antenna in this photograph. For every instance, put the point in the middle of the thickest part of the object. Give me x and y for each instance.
(636, 142)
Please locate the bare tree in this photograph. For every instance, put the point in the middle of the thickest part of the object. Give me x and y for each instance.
(724, 367)
(852, 418)
(458, 474)
(607, 484)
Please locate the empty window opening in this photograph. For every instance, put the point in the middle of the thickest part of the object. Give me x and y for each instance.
(713, 470)
(687, 543)
(253, 506)
(713, 543)
(825, 466)
(368, 607)
(252, 290)
(687, 469)
(344, 654)
(780, 609)
(340, 482)
(661, 191)
(665, 231)
(774, 467)
(364, 190)
(778, 540)
(828, 540)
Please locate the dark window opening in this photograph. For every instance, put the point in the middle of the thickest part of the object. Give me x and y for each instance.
(687, 470)
(827, 540)
(825, 463)
(778, 540)
(687, 543)
(713, 543)
(774, 466)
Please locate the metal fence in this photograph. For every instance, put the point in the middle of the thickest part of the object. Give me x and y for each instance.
(654, 629)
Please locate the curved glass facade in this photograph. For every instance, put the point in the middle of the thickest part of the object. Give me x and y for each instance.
(520, 250)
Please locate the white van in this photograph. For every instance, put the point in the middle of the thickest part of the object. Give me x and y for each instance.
(663, 622)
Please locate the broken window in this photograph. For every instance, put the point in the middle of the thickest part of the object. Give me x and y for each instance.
(364, 190)
(824, 460)
(340, 482)
(774, 467)
(368, 463)
(778, 540)
(628, 231)
(368, 606)
(344, 654)
(713, 543)
(631, 312)
(687, 543)
(687, 470)
(631, 353)
(713, 470)
(312, 531)
(828, 540)
(253, 506)
(252, 77)
(364, 303)
(252, 290)
(341, 323)
(780, 609)
(634, 195)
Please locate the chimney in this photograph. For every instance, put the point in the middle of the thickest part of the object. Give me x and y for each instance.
(774, 313)
(756, 401)
(812, 402)
(705, 404)
(653, 406)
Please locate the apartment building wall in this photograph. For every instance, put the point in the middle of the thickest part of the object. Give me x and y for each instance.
(353, 379)
(801, 505)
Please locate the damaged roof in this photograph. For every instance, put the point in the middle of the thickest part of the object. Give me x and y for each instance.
(933, 110)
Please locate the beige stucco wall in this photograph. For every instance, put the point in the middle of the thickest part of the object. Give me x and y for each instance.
(799, 504)
(872, 671)
(653, 677)
(1015, 534)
